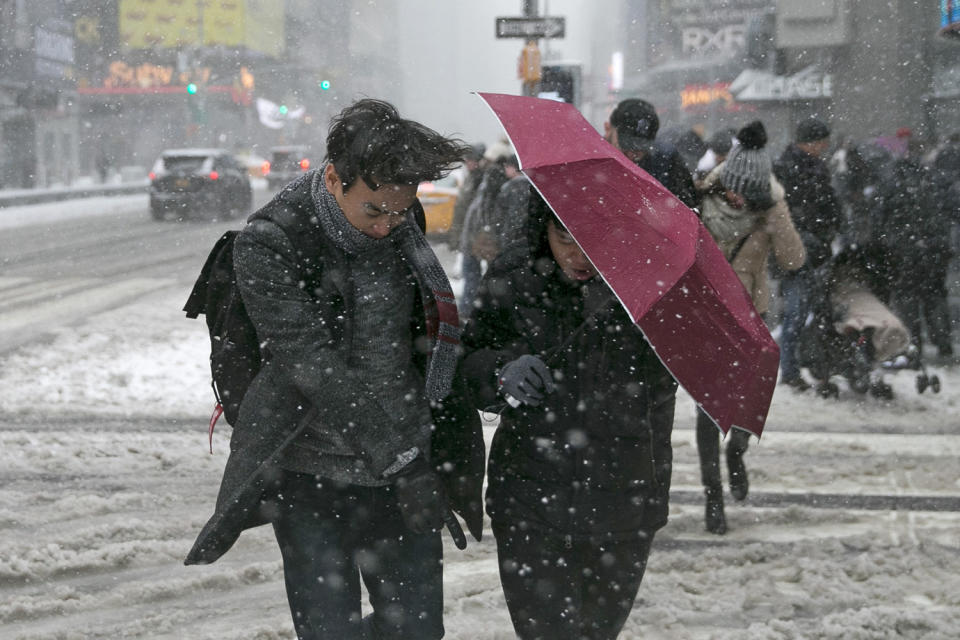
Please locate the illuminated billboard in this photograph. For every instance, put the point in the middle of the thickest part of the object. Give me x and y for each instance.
(256, 25)
(950, 18)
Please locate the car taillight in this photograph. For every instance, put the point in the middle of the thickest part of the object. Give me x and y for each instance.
(265, 168)
(214, 175)
(305, 164)
(152, 175)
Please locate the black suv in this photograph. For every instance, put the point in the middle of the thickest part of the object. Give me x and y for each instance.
(205, 182)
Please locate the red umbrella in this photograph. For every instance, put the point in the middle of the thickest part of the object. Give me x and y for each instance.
(655, 255)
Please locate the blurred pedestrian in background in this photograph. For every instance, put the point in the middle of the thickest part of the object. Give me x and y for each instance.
(632, 129)
(510, 208)
(479, 242)
(915, 211)
(744, 209)
(858, 184)
(472, 169)
(817, 215)
(718, 146)
(688, 142)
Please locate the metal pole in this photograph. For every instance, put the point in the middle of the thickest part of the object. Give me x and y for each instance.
(530, 10)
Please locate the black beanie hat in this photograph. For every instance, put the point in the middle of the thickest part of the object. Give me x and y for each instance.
(812, 130)
(637, 123)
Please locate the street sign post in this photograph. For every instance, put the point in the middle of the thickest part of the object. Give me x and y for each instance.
(543, 27)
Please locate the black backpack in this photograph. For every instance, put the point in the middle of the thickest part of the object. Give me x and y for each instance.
(235, 351)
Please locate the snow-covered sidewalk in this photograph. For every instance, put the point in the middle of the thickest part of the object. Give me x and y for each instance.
(106, 479)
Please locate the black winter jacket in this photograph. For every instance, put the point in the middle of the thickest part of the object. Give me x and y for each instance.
(665, 163)
(813, 203)
(594, 460)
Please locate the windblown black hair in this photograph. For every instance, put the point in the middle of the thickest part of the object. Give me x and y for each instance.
(370, 140)
(539, 215)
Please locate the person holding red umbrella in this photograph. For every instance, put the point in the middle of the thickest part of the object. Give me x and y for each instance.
(580, 465)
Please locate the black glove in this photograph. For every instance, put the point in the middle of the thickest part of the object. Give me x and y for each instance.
(526, 379)
(423, 502)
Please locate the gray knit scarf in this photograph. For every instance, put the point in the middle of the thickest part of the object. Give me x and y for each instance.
(440, 307)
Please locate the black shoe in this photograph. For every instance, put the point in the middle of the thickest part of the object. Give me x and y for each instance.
(797, 383)
(828, 390)
(716, 520)
(739, 483)
(880, 389)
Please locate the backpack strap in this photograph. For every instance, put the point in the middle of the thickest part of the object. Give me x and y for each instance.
(739, 246)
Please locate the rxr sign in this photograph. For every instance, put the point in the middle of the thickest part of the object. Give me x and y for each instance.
(701, 41)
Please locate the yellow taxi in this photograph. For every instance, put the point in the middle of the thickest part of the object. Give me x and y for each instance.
(438, 199)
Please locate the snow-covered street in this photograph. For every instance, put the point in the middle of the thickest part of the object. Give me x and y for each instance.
(851, 530)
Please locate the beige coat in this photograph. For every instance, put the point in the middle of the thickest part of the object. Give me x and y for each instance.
(770, 230)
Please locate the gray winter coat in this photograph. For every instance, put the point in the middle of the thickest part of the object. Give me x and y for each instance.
(304, 379)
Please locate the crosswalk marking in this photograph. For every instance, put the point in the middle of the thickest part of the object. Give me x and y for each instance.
(64, 301)
(30, 291)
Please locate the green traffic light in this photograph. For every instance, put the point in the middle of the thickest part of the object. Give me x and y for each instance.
(192, 89)
(283, 109)
(325, 85)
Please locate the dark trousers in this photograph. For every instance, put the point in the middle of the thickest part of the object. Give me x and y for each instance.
(922, 293)
(556, 591)
(471, 270)
(708, 447)
(796, 290)
(332, 535)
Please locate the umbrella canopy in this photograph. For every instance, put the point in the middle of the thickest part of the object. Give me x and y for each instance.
(656, 256)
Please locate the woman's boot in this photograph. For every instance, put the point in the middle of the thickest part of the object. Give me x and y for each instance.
(737, 471)
(716, 520)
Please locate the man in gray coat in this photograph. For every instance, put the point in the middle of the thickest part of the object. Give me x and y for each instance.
(353, 441)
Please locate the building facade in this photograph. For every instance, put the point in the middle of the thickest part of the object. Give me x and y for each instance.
(91, 87)
(38, 117)
(870, 68)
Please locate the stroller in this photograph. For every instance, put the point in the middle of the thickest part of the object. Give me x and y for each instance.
(852, 333)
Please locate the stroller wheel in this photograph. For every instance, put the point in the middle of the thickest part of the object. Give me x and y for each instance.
(828, 390)
(860, 385)
(935, 384)
(880, 389)
(922, 382)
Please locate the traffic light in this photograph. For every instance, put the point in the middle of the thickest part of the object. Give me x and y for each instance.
(529, 64)
(195, 104)
(325, 85)
(282, 109)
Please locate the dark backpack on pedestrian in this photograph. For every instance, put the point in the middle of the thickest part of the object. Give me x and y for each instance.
(235, 350)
